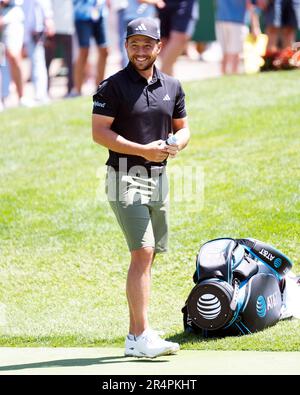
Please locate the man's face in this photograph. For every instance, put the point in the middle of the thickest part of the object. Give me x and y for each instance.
(142, 51)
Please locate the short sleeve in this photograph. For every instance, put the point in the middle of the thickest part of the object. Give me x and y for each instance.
(179, 109)
(106, 99)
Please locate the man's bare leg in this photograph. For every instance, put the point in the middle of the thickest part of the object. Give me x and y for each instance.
(138, 289)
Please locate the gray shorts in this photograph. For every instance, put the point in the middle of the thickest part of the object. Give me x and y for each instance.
(140, 204)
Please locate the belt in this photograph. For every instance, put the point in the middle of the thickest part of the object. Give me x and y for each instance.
(155, 171)
(152, 171)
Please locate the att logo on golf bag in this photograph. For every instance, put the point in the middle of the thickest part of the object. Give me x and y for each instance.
(261, 306)
(239, 285)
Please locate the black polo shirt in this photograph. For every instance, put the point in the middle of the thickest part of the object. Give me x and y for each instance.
(142, 111)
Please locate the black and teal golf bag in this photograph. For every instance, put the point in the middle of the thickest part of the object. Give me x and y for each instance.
(239, 285)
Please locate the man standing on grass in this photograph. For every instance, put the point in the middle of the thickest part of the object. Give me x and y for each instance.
(134, 112)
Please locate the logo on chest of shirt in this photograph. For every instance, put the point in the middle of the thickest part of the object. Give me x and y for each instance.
(166, 98)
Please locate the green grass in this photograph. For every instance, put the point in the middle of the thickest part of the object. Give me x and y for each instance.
(63, 261)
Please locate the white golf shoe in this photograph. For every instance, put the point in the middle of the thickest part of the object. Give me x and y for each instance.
(149, 345)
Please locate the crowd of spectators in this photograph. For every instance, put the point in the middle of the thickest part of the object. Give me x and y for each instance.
(42, 30)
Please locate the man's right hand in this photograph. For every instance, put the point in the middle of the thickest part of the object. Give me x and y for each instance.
(155, 151)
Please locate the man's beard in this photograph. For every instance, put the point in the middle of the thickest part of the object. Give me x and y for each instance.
(146, 67)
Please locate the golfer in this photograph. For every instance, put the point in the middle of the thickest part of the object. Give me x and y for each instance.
(134, 112)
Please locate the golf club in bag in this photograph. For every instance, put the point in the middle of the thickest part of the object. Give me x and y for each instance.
(239, 286)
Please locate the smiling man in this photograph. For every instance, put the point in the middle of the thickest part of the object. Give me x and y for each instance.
(134, 112)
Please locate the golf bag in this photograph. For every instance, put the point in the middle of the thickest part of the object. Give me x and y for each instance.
(239, 286)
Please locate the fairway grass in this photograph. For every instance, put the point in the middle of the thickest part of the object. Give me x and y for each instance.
(63, 259)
